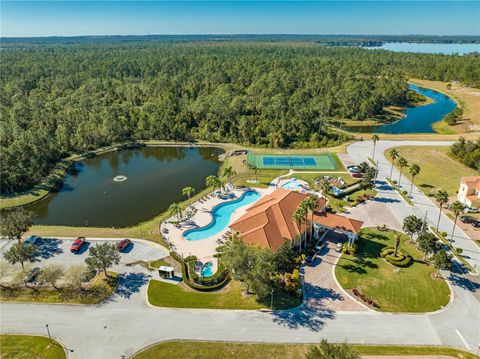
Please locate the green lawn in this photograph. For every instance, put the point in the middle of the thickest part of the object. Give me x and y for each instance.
(413, 289)
(101, 290)
(206, 350)
(29, 346)
(158, 263)
(437, 169)
(163, 294)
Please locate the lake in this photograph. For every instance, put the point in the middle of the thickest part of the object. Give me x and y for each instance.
(155, 178)
(417, 119)
(429, 48)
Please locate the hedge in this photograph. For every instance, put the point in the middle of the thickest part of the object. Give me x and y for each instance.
(401, 260)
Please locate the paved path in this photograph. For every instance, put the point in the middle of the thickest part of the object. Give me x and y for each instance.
(126, 323)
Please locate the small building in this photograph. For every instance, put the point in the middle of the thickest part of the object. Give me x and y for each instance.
(166, 272)
(269, 222)
(469, 191)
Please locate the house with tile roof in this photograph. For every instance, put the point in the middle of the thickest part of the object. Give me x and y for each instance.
(469, 191)
(269, 222)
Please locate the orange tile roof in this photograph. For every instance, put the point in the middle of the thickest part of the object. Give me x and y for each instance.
(337, 222)
(269, 222)
(472, 181)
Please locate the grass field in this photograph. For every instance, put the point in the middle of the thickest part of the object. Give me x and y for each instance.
(13, 346)
(412, 289)
(103, 288)
(437, 169)
(205, 350)
(163, 294)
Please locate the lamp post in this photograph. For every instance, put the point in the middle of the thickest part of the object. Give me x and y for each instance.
(48, 331)
(271, 298)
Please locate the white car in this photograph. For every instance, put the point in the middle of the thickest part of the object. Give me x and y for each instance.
(471, 210)
(339, 247)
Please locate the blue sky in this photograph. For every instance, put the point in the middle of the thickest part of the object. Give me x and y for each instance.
(70, 18)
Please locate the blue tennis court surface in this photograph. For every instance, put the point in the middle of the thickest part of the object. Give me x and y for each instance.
(289, 161)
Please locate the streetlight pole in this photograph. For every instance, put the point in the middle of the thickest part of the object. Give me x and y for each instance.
(271, 298)
(48, 331)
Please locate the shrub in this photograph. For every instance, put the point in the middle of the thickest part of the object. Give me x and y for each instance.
(401, 260)
(350, 248)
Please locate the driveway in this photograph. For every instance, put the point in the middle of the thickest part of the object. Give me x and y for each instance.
(321, 288)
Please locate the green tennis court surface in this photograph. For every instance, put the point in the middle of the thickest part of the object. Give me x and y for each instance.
(311, 162)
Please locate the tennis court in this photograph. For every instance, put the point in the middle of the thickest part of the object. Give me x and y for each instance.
(314, 162)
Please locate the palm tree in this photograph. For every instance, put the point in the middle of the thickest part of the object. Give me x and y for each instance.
(375, 138)
(175, 210)
(393, 156)
(310, 204)
(298, 217)
(188, 191)
(402, 162)
(19, 253)
(441, 197)
(457, 207)
(212, 181)
(324, 187)
(414, 170)
(254, 169)
(229, 172)
(397, 244)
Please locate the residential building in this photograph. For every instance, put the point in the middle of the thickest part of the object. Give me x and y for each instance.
(469, 191)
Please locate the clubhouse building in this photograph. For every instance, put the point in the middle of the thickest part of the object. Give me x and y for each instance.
(269, 222)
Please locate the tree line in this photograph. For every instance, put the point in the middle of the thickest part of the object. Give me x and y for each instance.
(56, 100)
(467, 152)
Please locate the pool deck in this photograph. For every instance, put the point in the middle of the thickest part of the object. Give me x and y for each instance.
(204, 249)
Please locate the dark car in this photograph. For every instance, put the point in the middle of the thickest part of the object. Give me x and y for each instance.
(467, 219)
(77, 244)
(32, 240)
(30, 277)
(357, 175)
(353, 169)
(122, 245)
(476, 223)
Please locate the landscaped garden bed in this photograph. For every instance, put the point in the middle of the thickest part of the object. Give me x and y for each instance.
(414, 288)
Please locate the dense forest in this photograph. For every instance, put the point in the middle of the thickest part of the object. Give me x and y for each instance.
(467, 152)
(61, 99)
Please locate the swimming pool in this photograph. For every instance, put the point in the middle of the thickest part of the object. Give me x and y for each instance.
(221, 215)
(293, 185)
(207, 270)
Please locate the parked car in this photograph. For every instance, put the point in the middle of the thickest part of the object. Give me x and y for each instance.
(357, 175)
(77, 244)
(32, 240)
(30, 277)
(471, 210)
(309, 259)
(476, 223)
(353, 169)
(319, 246)
(122, 245)
(467, 219)
(339, 247)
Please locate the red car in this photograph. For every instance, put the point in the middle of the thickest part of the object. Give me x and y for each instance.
(357, 175)
(122, 245)
(77, 244)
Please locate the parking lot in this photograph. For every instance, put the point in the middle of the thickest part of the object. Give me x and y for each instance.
(57, 250)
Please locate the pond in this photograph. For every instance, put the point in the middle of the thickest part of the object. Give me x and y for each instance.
(417, 119)
(428, 48)
(147, 181)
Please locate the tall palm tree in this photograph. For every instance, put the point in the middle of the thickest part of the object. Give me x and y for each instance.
(457, 208)
(441, 197)
(175, 210)
(375, 138)
(310, 204)
(212, 181)
(324, 187)
(298, 217)
(402, 162)
(229, 172)
(414, 170)
(188, 191)
(393, 155)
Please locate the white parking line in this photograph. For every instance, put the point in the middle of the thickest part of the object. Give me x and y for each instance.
(463, 339)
